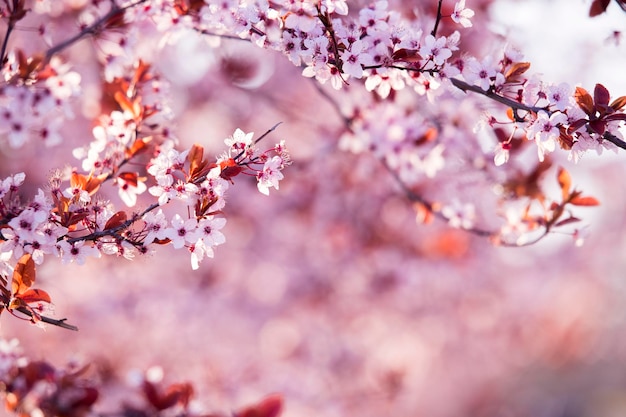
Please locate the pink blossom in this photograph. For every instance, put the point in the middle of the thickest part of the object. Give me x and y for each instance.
(354, 58)
(270, 175)
(545, 131)
(435, 50)
(155, 226)
(77, 252)
(461, 14)
(182, 231)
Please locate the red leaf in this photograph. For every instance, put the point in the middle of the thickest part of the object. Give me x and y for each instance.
(615, 116)
(406, 55)
(598, 126)
(584, 201)
(618, 103)
(23, 275)
(584, 101)
(83, 397)
(565, 182)
(34, 296)
(176, 393)
(129, 178)
(601, 95)
(517, 69)
(116, 220)
(140, 145)
(598, 7)
(270, 406)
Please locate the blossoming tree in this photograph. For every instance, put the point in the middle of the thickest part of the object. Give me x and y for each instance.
(414, 96)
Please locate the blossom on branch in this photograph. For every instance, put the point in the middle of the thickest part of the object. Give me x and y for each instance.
(462, 15)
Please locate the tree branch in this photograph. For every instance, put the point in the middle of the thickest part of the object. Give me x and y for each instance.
(48, 320)
(614, 140)
(434, 31)
(463, 86)
(88, 30)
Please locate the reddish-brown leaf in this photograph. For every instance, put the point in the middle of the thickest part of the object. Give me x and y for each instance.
(175, 394)
(116, 220)
(78, 180)
(565, 182)
(584, 201)
(126, 104)
(566, 141)
(615, 117)
(598, 7)
(140, 145)
(598, 126)
(23, 275)
(584, 100)
(162, 241)
(129, 178)
(195, 155)
(270, 406)
(601, 95)
(141, 74)
(406, 55)
(34, 296)
(618, 103)
(574, 126)
(516, 70)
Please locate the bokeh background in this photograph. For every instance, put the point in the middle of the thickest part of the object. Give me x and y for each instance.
(329, 291)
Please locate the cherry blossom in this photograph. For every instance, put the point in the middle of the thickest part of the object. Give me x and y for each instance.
(462, 15)
(435, 49)
(270, 175)
(77, 252)
(395, 140)
(182, 231)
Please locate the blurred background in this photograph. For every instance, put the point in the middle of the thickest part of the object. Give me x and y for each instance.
(329, 291)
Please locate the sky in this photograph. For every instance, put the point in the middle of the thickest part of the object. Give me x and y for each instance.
(562, 42)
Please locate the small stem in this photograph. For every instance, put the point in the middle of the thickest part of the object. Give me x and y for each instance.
(3, 57)
(240, 154)
(88, 30)
(58, 323)
(462, 85)
(434, 31)
(614, 140)
(114, 231)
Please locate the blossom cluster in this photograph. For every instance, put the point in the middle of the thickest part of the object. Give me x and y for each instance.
(392, 54)
(74, 224)
(396, 58)
(389, 52)
(47, 95)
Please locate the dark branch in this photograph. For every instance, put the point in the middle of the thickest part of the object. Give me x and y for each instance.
(463, 86)
(614, 140)
(92, 29)
(434, 31)
(48, 320)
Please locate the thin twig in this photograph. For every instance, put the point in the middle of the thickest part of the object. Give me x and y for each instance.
(92, 29)
(10, 27)
(48, 320)
(614, 140)
(463, 86)
(434, 31)
(114, 231)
